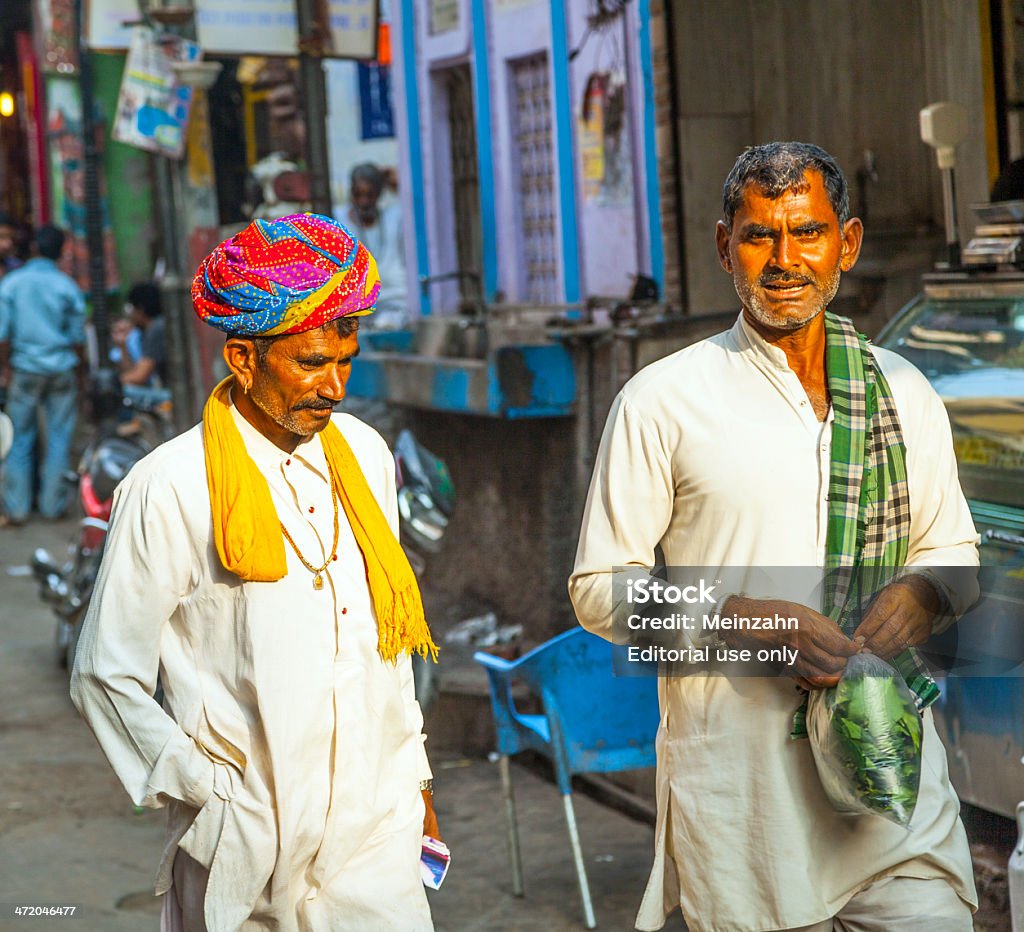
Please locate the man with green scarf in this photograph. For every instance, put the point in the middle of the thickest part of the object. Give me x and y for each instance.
(787, 441)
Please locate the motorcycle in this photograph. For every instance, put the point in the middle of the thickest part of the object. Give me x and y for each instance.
(129, 427)
(426, 500)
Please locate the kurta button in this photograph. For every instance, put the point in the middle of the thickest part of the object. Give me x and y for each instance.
(287, 462)
(311, 509)
(344, 611)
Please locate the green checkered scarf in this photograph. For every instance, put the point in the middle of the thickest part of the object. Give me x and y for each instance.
(868, 499)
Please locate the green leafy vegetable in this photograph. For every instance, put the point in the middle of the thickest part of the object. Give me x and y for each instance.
(866, 738)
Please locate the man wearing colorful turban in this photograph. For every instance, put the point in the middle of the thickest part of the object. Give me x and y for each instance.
(254, 562)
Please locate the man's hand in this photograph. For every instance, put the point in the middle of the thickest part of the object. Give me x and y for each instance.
(429, 816)
(822, 649)
(901, 616)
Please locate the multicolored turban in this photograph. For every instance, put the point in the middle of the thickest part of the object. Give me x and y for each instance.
(285, 276)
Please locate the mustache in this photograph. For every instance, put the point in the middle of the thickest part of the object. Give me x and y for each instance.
(316, 405)
(783, 278)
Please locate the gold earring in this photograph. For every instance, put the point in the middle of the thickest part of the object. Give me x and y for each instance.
(245, 389)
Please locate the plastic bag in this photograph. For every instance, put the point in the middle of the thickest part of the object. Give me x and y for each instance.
(866, 739)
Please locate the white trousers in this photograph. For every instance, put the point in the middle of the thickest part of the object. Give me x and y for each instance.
(900, 904)
(183, 907)
(183, 903)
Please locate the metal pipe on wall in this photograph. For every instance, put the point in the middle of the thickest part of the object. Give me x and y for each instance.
(174, 295)
(314, 98)
(93, 197)
(183, 366)
(675, 114)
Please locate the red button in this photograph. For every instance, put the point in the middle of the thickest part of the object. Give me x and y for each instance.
(344, 611)
(311, 509)
(334, 557)
(287, 462)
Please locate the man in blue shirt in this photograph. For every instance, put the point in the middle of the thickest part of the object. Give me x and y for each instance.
(43, 365)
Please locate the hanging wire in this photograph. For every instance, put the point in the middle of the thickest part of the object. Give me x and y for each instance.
(601, 19)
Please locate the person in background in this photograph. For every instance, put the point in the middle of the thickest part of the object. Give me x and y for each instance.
(126, 341)
(380, 228)
(146, 366)
(278, 184)
(8, 263)
(43, 365)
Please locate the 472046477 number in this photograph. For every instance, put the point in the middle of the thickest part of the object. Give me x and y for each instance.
(44, 910)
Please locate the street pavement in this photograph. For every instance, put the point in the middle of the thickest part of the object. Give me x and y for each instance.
(70, 836)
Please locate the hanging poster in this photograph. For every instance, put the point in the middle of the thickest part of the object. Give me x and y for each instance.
(152, 108)
(67, 166)
(604, 141)
(591, 141)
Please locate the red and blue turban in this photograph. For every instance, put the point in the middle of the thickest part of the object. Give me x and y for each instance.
(285, 276)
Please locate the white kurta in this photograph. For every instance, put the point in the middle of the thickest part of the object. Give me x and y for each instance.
(289, 754)
(715, 454)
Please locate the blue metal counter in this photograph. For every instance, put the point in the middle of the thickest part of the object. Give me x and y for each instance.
(511, 382)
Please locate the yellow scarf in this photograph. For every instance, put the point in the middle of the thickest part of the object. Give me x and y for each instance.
(243, 514)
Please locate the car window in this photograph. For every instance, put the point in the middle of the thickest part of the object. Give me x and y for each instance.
(972, 351)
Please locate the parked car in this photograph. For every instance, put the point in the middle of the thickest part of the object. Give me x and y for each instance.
(965, 332)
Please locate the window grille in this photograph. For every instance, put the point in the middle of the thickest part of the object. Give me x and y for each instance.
(534, 151)
(465, 179)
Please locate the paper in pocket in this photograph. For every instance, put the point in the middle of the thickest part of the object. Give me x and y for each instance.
(434, 861)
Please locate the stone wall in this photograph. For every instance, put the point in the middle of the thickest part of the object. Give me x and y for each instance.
(512, 538)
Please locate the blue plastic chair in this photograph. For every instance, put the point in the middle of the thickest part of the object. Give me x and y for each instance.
(593, 722)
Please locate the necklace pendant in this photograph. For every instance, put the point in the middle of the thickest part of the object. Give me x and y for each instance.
(318, 582)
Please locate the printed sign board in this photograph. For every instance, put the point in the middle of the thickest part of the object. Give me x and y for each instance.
(152, 108)
(269, 27)
(378, 119)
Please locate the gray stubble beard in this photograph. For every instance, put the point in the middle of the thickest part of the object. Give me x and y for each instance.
(285, 420)
(763, 314)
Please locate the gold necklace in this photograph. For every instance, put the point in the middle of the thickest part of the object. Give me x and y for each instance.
(318, 572)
